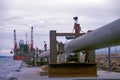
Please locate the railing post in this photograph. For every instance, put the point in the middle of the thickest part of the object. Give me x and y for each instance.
(109, 68)
(53, 47)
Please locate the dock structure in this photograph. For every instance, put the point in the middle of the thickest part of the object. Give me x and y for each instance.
(105, 36)
(53, 43)
(68, 69)
(31, 74)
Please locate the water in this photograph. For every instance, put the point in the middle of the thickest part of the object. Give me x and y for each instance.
(8, 65)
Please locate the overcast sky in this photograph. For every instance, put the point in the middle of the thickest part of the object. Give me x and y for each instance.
(46, 15)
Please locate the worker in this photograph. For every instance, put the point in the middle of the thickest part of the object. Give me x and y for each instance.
(60, 55)
(77, 27)
(45, 46)
(60, 47)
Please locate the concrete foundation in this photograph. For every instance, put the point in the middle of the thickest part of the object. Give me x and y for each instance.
(72, 69)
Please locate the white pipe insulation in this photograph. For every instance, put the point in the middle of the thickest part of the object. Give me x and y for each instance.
(108, 35)
(45, 54)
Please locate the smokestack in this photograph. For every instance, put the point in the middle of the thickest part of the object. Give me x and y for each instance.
(31, 46)
(15, 42)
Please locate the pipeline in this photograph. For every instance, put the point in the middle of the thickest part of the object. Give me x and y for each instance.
(44, 54)
(108, 35)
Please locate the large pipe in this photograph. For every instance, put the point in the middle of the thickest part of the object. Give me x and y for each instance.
(45, 54)
(108, 35)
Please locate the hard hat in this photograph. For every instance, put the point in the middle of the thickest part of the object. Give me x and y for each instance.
(75, 18)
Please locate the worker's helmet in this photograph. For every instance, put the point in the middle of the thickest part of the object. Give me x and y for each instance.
(75, 18)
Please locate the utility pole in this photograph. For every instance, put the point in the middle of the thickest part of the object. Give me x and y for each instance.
(26, 38)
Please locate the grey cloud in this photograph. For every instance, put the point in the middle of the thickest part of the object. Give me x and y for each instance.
(12, 18)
